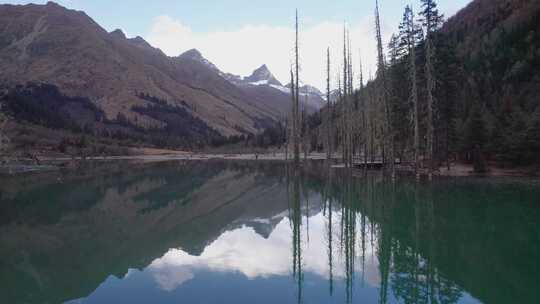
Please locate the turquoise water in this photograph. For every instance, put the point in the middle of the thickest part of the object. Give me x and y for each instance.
(255, 232)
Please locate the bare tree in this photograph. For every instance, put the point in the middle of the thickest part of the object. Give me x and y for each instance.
(297, 95)
(363, 104)
(293, 131)
(287, 137)
(431, 21)
(346, 102)
(388, 136)
(296, 98)
(305, 136)
(350, 103)
(328, 109)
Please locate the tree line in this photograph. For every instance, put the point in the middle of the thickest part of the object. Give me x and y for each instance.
(425, 106)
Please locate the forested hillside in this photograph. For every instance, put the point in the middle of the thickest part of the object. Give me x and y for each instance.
(497, 44)
(462, 89)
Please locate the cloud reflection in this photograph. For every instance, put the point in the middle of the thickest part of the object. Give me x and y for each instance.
(244, 251)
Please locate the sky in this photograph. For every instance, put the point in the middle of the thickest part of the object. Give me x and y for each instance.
(238, 36)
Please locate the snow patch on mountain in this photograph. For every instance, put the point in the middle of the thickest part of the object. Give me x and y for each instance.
(281, 88)
(260, 82)
(262, 74)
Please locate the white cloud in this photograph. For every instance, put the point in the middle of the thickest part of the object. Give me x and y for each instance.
(245, 49)
(244, 251)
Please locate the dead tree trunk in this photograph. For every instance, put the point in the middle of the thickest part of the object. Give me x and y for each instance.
(293, 116)
(388, 135)
(328, 109)
(295, 84)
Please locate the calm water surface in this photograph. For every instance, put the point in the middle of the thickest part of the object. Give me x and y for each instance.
(217, 232)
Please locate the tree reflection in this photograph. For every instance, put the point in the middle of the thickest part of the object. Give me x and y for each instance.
(328, 203)
(296, 222)
(348, 215)
(415, 278)
(417, 243)
(402, 235)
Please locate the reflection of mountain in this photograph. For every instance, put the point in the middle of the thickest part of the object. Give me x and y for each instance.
(61, 241)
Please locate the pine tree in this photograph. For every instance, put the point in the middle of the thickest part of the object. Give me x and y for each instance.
(431, 20)
(398, 97)
(410, 34)
(448, 79)
(476, 137)
(533, 138)
(3, 138)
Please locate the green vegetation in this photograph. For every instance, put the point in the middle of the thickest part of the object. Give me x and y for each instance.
(471, 94)
(49, 120)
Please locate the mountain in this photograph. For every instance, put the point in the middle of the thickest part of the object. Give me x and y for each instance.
(313, 97)
(135, 86)
(195, 55)
(264, 88)
(262, 76)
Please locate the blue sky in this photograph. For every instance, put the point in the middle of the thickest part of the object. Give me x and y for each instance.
(136, 16)
(258, 31)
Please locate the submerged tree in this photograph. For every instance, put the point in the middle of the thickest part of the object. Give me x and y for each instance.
(362, 105)
(291, 138)
(383, 90)
(296, 98)
(329, 128)
(346, 110)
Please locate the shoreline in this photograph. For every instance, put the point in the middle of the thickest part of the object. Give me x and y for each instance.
(47, 163)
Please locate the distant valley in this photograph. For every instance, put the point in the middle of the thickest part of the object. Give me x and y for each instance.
(61, 70)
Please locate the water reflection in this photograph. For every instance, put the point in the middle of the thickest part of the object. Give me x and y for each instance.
(258, 232)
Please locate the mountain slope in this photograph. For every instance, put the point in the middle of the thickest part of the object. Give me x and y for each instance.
(497, 44)
(67, 49)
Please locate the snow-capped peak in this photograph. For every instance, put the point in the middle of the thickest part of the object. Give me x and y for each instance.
(261, 76)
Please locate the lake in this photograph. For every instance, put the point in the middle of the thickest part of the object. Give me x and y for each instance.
(257, 232)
